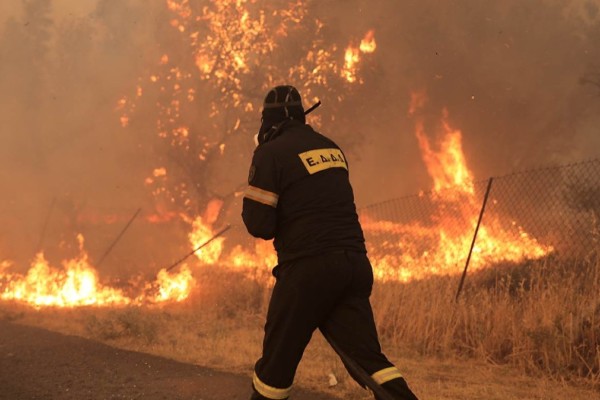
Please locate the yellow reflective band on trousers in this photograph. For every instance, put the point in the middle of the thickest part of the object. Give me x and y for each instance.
(386, 375)
(262, 196)
(269, 391)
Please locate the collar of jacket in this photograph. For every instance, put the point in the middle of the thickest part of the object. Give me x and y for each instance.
(283, 127)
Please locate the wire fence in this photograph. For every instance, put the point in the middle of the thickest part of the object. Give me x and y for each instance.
(528, 215)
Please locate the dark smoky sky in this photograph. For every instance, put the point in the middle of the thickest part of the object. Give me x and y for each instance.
(509, 73)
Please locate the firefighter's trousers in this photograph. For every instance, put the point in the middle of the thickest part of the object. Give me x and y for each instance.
(329, 292)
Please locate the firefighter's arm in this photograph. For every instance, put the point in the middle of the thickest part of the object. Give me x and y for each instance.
(260, 199)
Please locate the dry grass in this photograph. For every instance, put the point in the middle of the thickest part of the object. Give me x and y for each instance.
(543, 317)
(518, 332)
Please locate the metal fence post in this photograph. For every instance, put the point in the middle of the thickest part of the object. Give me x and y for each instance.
(464, 274)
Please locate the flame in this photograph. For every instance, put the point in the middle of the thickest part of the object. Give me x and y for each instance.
(171, 287)
(213, 209)
(229, 39)
(201, 233)
(77, 284)
(254, 262)
(447, 167)
(263, 255)
(257, 262)
(352, 57)
(229, 43)
(441, 247)
(368, 45)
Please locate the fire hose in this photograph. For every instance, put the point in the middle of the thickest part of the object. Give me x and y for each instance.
(357, 371)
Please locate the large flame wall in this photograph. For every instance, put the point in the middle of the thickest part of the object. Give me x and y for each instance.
(73, 75)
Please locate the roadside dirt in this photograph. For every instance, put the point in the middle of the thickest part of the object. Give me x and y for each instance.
(39, 364)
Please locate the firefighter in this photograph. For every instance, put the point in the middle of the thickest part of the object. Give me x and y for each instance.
(299, 194)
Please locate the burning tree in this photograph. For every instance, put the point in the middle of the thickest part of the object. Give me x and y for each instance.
(203, 97)
(197, 108)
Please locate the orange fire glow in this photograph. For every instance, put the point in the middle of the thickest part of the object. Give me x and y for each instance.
(352, 57)
(170, 287)
(231, 38)
(77, 284)
(201, 233)
(255, 263)
(447, 167)
(226, 51)
(229, 44)
(441, 246)
(368, 45)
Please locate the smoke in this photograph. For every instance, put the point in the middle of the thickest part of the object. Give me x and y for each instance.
(64, 157)
(509, 73)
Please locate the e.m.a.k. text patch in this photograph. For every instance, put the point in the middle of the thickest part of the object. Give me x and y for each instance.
(322, 159)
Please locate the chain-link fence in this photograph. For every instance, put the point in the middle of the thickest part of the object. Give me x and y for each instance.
(527, 215)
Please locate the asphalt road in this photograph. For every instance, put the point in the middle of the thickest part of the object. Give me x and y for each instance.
(39, 364)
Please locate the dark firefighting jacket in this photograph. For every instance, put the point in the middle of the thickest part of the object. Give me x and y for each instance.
(299, 194)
